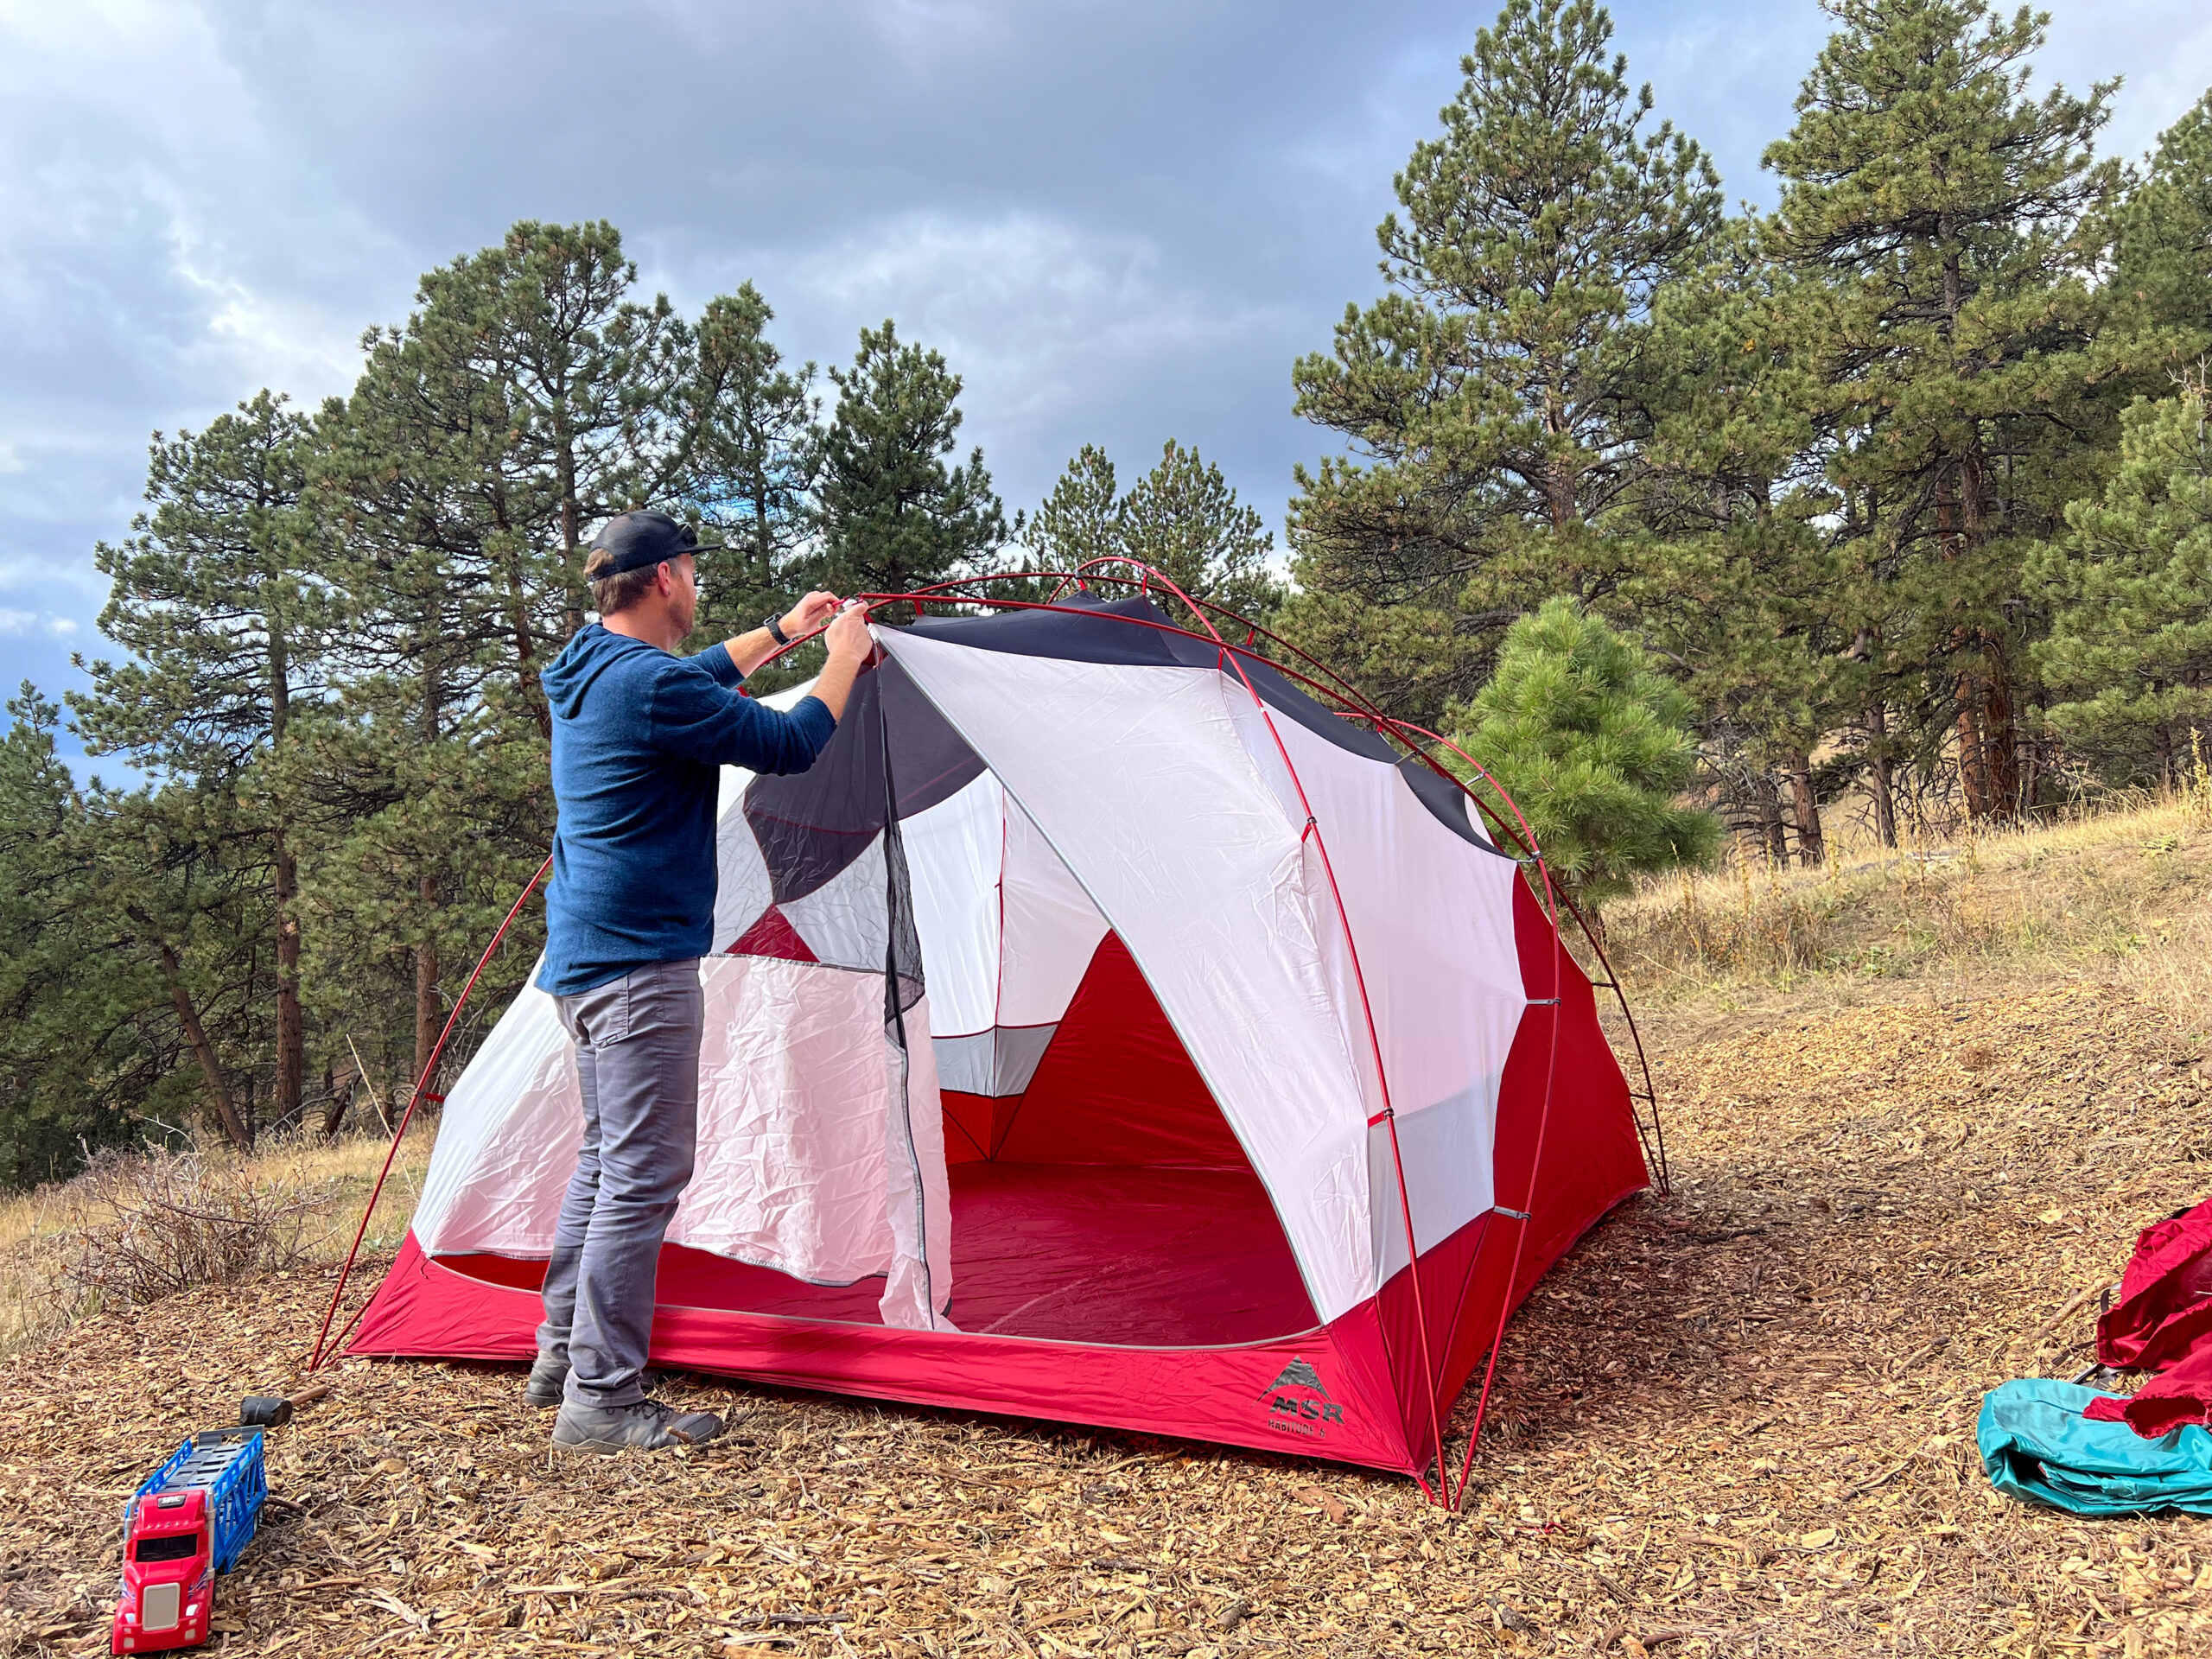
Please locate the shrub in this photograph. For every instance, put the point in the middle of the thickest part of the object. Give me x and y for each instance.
(1595, 748)
(162, 1222)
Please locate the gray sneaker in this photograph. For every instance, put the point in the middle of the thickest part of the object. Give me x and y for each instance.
(646, 1426)
(547, 1375)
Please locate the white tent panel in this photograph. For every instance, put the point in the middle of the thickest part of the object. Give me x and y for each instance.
(952, 866)
(1007, 934)
(810, 1153)
(1053, 929)
(809, 1135)
(1432, 917)
(507, 1136)
(1103, 757)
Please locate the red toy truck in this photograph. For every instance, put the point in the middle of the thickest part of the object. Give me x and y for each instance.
(186, 1524)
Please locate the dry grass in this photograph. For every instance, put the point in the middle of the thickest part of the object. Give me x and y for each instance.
(44, 1233)
(2119, 897)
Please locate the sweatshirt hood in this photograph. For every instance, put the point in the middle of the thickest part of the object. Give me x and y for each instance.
(579, 665)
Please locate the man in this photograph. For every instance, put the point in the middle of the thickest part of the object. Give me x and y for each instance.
(639, 738)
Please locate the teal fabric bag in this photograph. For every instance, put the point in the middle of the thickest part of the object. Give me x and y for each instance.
(2036, 1444)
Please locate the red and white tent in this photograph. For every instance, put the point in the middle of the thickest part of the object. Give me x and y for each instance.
(1090, 1032)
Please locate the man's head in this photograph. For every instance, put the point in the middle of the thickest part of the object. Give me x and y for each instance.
(643, 562)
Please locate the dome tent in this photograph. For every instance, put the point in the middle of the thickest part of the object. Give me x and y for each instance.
(1095, 1033)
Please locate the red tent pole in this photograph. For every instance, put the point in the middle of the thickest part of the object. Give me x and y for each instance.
(320, 1355)
(1526, 1215)
(1430, 1379)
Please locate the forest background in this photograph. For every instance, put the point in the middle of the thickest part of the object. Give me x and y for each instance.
(1889, 507)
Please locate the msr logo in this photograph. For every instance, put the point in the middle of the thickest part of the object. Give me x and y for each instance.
(1298, 1404)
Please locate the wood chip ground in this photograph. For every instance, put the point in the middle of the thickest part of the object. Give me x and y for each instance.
(1737, 1421)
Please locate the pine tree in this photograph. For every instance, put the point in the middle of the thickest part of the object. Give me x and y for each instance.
(1080, 520)
(212, 599)
(527, 397)
(1182, 518)
(86, 1045)
(1936, 211)
(427, 772)
(1739, 589)
(2161, 236)
(750, 471)
(1489, 400)
(893, 516)
(1593, 746)
(2130, 651)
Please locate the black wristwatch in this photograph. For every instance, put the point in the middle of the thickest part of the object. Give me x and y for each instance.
(776, 632)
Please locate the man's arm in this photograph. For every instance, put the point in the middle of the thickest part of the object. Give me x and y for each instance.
(749, 650)
(700, 716)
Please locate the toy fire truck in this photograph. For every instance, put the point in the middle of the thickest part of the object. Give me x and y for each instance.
(186, 1524)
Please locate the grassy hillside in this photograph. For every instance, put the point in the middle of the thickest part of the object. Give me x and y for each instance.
(2117, 898)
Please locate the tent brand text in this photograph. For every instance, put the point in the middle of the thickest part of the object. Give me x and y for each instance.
(1298, 1404)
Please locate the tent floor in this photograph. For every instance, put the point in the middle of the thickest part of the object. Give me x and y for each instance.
(1139, 1257)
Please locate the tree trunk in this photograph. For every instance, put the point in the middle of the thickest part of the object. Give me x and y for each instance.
(1769, 806)
(510, 561)
(429, 1010)
(1885, 803)
(291, 1028)
(227, 1112)
(337, 1100)
(1958, 530)
(2001, 747)
(427, 1006)
(1812, 848)
(564, 473)
(1974, 774)
(2000, 738)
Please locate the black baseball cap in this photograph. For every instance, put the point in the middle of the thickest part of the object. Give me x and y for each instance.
(637, 539)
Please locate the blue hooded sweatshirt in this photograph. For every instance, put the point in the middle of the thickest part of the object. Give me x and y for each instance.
(639, 738)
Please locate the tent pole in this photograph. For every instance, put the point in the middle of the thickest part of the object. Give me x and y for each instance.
(1527, 1215)
(321, 1354)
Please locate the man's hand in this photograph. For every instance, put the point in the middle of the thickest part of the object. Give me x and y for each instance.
(803, 620)
(847, 638)
(808, 615)
(850, 644)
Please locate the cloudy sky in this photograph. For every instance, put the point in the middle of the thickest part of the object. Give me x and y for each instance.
(1120, 219)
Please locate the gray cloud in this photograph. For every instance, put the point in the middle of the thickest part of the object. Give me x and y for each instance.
(1120, 221)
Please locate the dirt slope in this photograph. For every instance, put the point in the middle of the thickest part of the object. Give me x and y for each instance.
(1737, 1421)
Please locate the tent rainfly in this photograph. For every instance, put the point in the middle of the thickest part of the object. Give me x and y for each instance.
(1102, 1031)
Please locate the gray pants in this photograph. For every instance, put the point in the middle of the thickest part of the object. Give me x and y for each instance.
(638, 1055)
